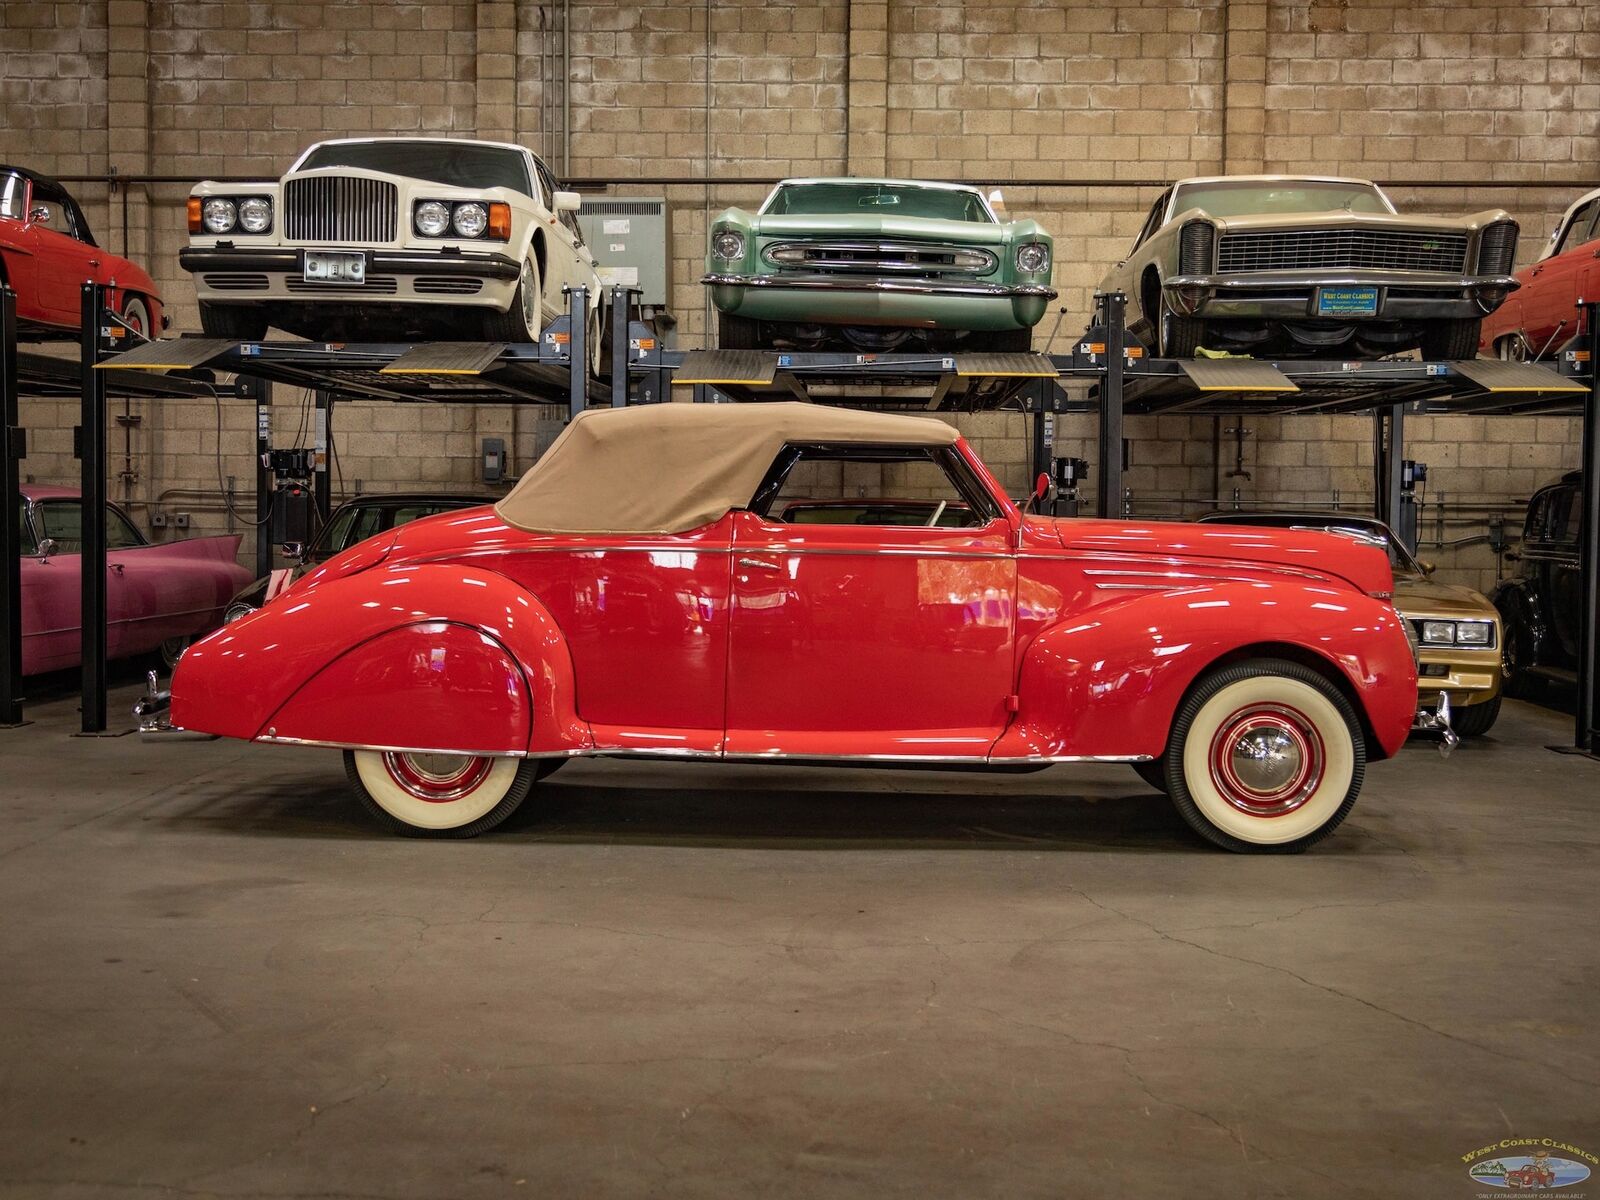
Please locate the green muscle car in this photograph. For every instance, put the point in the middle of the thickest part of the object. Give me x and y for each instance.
(876, 265)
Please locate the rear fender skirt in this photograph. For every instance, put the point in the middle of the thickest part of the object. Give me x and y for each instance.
(1108, 682)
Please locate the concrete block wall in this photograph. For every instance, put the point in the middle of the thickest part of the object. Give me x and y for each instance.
(738, 91)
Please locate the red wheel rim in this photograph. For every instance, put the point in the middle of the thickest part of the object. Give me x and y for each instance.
(437, 778)
(1267, 760)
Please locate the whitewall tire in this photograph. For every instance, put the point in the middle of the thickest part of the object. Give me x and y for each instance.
(439, 795)
(1266, 756)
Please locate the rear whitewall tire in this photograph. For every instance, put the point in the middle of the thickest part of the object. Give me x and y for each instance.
(1311, 714)
(486, 791)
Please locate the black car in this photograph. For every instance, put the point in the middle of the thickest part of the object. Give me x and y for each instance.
(1541, 606)
(353, 521)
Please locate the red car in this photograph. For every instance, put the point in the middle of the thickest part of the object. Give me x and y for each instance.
(47, 254)
(1541, 315)
(157, 597)
(638, 593)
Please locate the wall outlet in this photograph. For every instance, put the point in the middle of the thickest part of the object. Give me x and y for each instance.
(158, 520)
(181, 520)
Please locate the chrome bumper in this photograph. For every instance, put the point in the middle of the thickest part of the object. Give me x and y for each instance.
(1438, 721)
(153, 712)
(868, 283)
(1292, 295)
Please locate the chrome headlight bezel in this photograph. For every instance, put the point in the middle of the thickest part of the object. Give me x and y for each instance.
(219, 214)
(727, 244)
(431, 218)
(254, 214)
(1471, 633)
(1033, 258)
(470, 219)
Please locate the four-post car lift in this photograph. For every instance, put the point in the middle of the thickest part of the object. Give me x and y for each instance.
(637, 368)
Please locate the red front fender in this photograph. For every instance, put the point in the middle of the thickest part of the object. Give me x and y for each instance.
(1109, 682)
(424, 657)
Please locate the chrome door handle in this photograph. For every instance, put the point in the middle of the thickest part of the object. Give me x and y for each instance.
(760, 563)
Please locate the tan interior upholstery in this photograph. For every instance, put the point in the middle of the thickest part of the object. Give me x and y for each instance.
(667, 468)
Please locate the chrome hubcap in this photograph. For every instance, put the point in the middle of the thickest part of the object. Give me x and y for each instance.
(530, 300)
(437, 778)
(1267, 760)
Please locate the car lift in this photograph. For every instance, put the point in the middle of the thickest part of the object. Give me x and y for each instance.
(1121, 380)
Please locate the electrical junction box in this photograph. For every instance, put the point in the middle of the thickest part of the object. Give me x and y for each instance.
(629, 236)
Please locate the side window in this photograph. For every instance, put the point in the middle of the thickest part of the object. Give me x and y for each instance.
(1578, 230)
(12, 190)
(1565, 516)
(370, 521)
(898, 486)
(336, 536)
(547, 185)
(407, 513)
(1533, 524)
(120, 533)
(25, 530)
(570, 220)
(51, 214)
(62, 520)
(1154, 221)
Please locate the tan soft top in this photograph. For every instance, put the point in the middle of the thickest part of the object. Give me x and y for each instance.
(667, 468)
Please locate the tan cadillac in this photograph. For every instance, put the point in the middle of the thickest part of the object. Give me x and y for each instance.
(1311, 267)
(1457, 629)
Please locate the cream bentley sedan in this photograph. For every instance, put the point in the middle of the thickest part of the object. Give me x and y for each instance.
(391, 238)
(1310, 266)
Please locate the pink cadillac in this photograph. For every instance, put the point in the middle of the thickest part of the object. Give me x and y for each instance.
(157, 597)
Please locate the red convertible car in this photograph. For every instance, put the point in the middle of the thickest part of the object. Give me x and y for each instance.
(157, 597)
(1542, 314)
(638, 593)
(47, 254)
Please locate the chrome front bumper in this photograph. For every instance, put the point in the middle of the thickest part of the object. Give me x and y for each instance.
(1292, 295)
(153, 712)
(1437, 720)
(868, 283)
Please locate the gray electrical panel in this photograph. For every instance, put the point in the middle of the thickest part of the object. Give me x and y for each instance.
(630, 240)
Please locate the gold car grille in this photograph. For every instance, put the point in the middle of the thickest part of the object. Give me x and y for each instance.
(875, 258)
(1342, 250)
(340, 208)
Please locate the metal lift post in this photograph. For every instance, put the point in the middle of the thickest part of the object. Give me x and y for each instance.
(13, 448)
(621, 322)
(578, 350)
(261, 389)
(92, 461)
(1588, 715)
(321, 492)
(1108, 488)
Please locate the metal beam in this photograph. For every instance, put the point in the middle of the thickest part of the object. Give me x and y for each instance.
(92, 456)
(321, 492)
(12, 449)
(263, 395)
(621, 311)
(578, 349)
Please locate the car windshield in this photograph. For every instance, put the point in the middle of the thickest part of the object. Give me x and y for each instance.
(458, 164)
(1225, 199)
(877, 200)
(1371, 532)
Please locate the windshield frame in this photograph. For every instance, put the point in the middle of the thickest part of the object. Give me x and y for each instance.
(895, 185)
(1179, 204)
(442, 145)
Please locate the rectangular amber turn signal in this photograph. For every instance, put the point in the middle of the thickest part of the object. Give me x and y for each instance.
(194, 214)
(500, 222)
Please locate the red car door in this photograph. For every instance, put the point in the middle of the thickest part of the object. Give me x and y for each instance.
(871, 639)
(62, 261)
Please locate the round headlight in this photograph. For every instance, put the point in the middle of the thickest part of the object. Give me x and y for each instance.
(431, 218)
(727, 244)
(219, 215)
(1033, 257)
(470, 220)
(255, 214)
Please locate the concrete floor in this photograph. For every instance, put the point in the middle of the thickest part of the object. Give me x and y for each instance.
(216, 978)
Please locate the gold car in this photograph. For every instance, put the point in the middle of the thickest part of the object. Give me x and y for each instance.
(1457, 629)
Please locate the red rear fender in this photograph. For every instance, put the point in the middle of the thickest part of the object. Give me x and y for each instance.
(235, 682)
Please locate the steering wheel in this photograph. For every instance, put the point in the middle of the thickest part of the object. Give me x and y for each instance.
(937, 513)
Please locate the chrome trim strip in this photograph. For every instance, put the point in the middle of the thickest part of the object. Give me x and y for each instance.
(896, 256)
(931, 287)
(273, 739)
(899, 551)
(1076, 758)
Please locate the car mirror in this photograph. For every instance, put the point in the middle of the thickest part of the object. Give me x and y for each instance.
(1428, 566)
(568, 202)
(47, 547)
(40, 216)
(295, 552)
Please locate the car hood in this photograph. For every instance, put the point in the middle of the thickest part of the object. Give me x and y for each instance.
(1364, 567)
(854, 225)
(1417, 597)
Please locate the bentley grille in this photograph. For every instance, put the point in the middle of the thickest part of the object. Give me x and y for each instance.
(340, 208)
(875, 258)
(1342, 249)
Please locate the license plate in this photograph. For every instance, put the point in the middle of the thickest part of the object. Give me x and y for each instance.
(323, 267)
(1347, 302)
